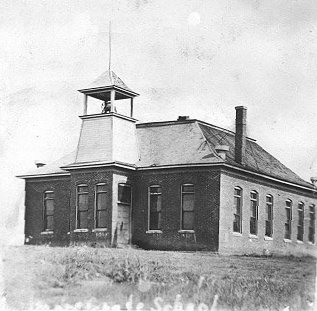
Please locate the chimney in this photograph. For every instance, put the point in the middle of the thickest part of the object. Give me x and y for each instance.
(240, 136)
(183, 118)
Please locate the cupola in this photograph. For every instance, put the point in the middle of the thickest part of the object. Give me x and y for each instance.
(109, 89)
(107, 138)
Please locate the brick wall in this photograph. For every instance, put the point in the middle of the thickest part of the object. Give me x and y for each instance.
(91, 177)
(206, 183)
(211, 191)
(35, 189)
(231, 243)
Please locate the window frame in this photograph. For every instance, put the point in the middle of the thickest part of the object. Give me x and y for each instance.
(125, 185)
(77, 207)
(269, 204)
(256, 218)
(149, 208)
(300, 221)
(312, 224)
(45, 216)
(182, 208)
(96, 200)
(288, 222)
(240, 196)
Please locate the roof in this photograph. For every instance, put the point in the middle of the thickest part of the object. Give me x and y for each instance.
(106, 82)
(53, 168)
(256, 158)
(172, 143)
(194, 141)
(191, 142)
(108, 78)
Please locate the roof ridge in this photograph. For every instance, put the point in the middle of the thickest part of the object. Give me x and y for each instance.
(110, 73)
(211, 148)
(223, 129)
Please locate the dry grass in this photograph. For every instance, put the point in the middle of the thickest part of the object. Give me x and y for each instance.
(66, 275)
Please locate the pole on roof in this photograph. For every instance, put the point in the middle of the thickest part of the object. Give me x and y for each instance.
(109, 46)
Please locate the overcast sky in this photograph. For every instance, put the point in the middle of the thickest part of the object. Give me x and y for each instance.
(196, 58)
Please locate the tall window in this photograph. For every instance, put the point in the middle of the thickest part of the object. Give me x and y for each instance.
(288, 222)
(187, 218)
(155, 207)
(48, 214)
(101, 206)
(82, 207)
(269, 216)
(311, 231)
(237, 220)
(254, 198)
(124, 194)
(300, 225)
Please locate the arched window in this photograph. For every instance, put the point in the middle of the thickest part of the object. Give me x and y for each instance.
(187, 202)
(237, 214)
(288, 221)
(254, 203)
(48, 212)
(155, 208)
(269, 216)
(101, 206)
(82, 207)
(300, 224)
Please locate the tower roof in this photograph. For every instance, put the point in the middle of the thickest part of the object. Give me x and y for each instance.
(105, 82)
(109, 78)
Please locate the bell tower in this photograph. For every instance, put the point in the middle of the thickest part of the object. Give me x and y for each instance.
(109, 89)
(107, 138)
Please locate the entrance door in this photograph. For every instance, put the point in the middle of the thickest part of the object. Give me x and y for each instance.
(124, 214)
(123, 225)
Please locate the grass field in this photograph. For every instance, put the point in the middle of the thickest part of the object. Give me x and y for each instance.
(65, 276)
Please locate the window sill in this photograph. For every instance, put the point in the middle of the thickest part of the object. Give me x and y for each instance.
(300, 242)
(311, 243)
(153, 231)
(99, 230)
(236, 234)
(81, 230)
(47, 232)
(253, 236)
(186, 231)
(268, 238)
(287, 241)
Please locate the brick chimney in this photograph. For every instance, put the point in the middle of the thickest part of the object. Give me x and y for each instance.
(240, 136)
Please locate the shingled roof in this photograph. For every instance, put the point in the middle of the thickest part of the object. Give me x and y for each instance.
(194, 141)
(256, 158)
